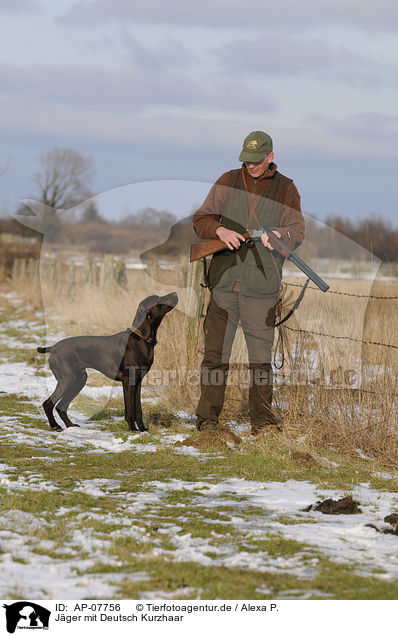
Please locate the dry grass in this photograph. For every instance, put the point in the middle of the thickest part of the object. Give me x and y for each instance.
(332, 393)
(350, 400)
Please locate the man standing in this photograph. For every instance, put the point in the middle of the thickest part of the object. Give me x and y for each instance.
(245, 282)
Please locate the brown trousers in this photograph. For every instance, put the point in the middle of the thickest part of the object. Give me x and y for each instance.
(224, 312)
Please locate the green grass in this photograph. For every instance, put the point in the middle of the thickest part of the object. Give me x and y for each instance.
(185, 508)
(140, 535)
(331, 581)
(252, 464)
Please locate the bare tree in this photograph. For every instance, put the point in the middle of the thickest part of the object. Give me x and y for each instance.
(64, 177)
(91, 214)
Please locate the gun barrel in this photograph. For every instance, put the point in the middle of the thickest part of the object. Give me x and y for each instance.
(306, 269)
(317, 280)
(211, 246)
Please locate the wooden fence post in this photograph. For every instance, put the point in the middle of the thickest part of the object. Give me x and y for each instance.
(88, 274)
(185, 271)
(16, 268)
(31, 269)
(106, 272)
(120, 274)
(72, 279)
(197, 294)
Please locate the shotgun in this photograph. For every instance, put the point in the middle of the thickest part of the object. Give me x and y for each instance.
(212, 246)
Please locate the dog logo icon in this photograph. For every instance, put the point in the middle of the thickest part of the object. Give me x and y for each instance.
(26, 615)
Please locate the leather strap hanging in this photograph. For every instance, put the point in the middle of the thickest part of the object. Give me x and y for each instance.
(205, 282)
(251, 211)
(296, 304)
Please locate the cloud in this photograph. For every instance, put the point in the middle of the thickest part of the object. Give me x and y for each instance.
(331, 169)
(168, 53)
(371, 129)
(290, 14)
(123, 89)
(12, 6)
(288, 55)
(127, 90)
(154, 132)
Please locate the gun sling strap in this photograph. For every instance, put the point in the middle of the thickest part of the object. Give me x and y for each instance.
(296, 304)
(205, 282)
(280, 343)
(250, 214)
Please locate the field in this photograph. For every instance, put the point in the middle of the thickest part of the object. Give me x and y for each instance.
(95, 512)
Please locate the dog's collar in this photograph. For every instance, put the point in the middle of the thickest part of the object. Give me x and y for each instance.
(152, 341)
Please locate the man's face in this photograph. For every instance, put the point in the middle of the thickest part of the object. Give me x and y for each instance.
(258, 168)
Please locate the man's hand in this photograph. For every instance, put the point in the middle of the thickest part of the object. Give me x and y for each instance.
(229, 237)
(265, 239)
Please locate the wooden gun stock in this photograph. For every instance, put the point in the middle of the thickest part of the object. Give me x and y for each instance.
(207, 248)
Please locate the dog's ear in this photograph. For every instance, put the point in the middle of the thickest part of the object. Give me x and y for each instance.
(143, 320)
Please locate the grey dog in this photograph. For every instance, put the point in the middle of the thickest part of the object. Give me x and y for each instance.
(125, 356)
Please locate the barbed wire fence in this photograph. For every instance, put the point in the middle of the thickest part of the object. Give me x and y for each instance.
(340, 293)
(327, 335)
(303, 332)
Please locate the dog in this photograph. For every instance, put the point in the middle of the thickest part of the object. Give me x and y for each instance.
(126, 357)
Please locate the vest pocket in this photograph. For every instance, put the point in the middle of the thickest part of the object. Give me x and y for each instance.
(260, 282)
(227, 279)
(223, 271)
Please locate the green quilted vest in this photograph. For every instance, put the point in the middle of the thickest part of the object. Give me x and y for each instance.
(257, 271)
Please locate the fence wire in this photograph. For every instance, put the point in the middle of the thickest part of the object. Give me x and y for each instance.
(340, 293)
(328, 335)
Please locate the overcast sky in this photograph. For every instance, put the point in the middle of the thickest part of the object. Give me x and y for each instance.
(168, 90)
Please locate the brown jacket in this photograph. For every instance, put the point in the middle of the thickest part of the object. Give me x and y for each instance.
(207, 218)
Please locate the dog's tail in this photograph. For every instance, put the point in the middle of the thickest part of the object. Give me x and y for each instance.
(44, 349)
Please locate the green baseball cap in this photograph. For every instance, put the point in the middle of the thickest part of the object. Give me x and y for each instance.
(256, 145)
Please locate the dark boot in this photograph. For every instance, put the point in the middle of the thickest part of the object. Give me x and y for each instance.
(212, 392)
(265, 427)
(219, 331)
(205, 425)
(260, 400)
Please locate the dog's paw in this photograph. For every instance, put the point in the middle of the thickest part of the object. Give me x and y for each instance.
(57, 428)
(134, 427)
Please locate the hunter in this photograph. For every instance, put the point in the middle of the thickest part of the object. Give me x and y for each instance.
(245, 281)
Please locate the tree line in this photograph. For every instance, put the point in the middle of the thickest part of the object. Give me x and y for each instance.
(63, 182)
(374, 234)
(148, 227)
